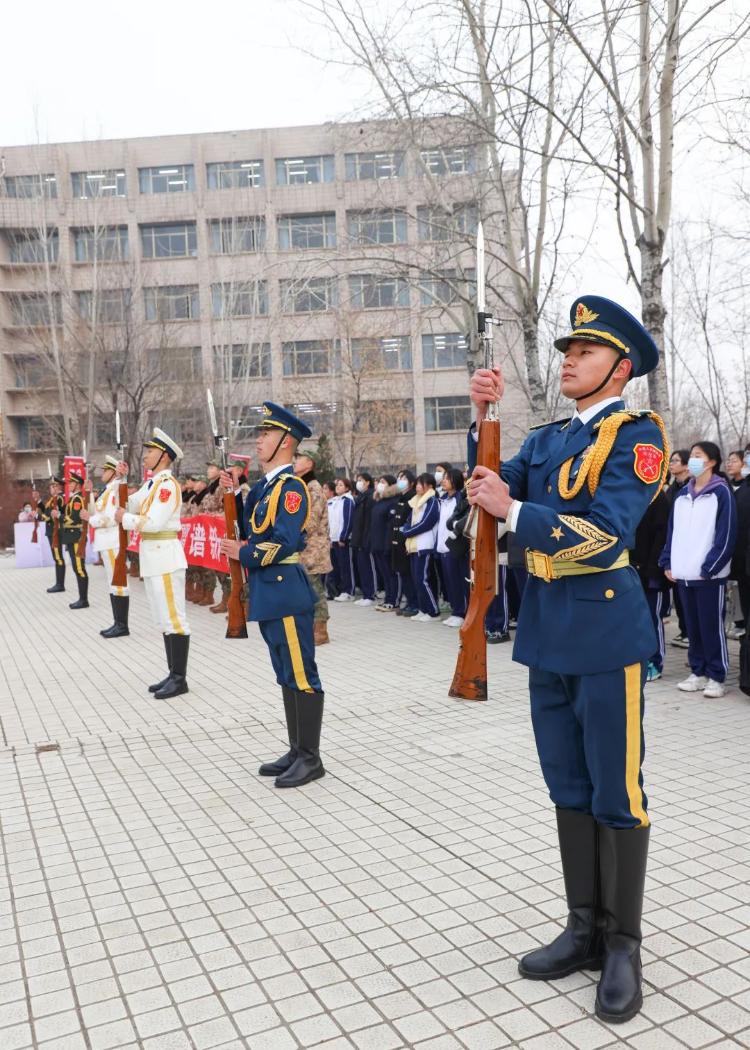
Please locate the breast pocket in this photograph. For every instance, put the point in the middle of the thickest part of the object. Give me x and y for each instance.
(606, 587)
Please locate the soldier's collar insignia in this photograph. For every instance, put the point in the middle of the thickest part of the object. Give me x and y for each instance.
(584, 315)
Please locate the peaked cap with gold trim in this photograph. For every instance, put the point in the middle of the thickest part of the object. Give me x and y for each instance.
(599, 320)
(162, 440)
(282, 419)
(110, 463)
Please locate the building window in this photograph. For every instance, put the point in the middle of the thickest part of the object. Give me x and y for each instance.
(307, 357)
(98, 184)
(390, 354)
(376, 227)
(373, 292)
(247, 417)
(234, 174)
(103, 244)
(450, 160)
(237, 236)
(320, 416)
(112, 305)
(35, 309)
(444, 350)
(392, 416)
(447, 413)
(175, 302)
(169, 240)
(176, 178)
(301, 171)
(178, 364)
(307, 231)
(386, 165)
(446, 288)
(242, 360)
(33, 246)
(27, 186)
(239, 299)
(443, 224)
(308, 295)
(188, 426)
(31, 372)
(37, 433)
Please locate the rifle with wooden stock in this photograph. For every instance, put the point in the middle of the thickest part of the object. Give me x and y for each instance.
(34, 537)
(470, 677)
(236, 624)
(120, 571)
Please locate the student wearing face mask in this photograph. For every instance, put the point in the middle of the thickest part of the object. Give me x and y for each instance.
(740, 568)
(386, 494)
(361, 538)
(440, 473)
(421, 536)
(340, 516)
(455, 567)
(400, 513)
(697, 554)
(679, 475)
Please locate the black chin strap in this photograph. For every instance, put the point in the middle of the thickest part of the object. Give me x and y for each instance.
(283, 435)
(603, 383)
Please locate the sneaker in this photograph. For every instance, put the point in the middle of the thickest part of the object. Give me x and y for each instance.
(735, 633)
(421, 618)
(407, 612)
(652, 672)
(343, 598)
(385, 607)
(365, 601)
(495, 637)
(512, 624)
(681, 641)
(693, 684)
(714, 690)
(453, 621)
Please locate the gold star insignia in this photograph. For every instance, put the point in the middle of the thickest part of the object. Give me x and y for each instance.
(557, 534)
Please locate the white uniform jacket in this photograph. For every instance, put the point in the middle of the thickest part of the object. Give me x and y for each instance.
(107, 531)
(154, 512)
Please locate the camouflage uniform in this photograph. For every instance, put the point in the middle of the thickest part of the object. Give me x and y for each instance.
(316, 557)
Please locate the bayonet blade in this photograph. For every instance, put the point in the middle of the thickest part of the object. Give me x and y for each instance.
(480, 270)
(49, 468)
(118, 442)
(212, 413)
(84, 450)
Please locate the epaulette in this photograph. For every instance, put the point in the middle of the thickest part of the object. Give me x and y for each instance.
(551, 423)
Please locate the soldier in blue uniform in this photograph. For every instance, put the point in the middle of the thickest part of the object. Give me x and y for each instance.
(281, 600)
(574, 496)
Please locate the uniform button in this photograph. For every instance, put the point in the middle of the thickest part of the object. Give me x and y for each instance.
(549, 488)
(609, 593)
(279, 578)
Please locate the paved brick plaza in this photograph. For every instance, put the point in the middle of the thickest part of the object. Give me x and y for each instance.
(157, 894)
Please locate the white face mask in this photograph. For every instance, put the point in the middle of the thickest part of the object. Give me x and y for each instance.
(439, 475)
(402, 484)
(381, 487)
(361, 485)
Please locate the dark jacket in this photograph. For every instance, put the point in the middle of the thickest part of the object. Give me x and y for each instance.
(741, 557)
(360, 537)
(650, 537)
(380, 519)
(400, 515)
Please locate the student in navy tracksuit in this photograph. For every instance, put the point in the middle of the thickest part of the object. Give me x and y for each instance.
(360, 539)
(421, 536)
(386, 494)
(329, 491)
(697, 555)
(455, 569)
(340, 517)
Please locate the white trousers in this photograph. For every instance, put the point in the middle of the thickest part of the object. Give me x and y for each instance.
(166, 599)
(109, 558)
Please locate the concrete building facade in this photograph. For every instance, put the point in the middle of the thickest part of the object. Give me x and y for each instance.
(329, 268)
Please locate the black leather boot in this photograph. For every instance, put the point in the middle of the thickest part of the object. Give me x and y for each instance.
(83, 594)
(275, 769)
(307, 765)
(119, 628)
(622, 867)
(168, 649)
(59, 580)
(176, 684)
(579, 946)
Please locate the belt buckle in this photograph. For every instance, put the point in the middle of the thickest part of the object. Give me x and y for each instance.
(539, 564)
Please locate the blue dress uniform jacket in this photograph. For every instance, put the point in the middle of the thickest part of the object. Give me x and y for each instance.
(273, 519)
(582, 624)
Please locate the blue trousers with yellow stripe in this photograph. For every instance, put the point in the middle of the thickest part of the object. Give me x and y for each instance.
(589, 736)
(290, 643)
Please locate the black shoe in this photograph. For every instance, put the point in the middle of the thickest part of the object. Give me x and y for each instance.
(681, 641)
(579, 946)
(120, 612)
(495, 637)
(622, 871)
(307, 766)
(80, 604)
(176, 684)
(168, 649)
(55, 590)
(275, 769)
(407, 612)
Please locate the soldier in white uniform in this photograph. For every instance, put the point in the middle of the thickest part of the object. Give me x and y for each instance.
(154, 512)
(107, 542)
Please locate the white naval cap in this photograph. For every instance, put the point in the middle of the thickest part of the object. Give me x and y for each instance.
(159, 439)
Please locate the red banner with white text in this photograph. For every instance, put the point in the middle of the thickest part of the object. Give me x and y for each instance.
(200, 538)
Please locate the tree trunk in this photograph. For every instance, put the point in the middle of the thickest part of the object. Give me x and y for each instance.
(654, 316)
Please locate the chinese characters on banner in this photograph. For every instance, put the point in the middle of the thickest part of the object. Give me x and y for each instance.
(200, 538)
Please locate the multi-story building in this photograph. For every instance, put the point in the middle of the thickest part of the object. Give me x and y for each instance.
(330, 268)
